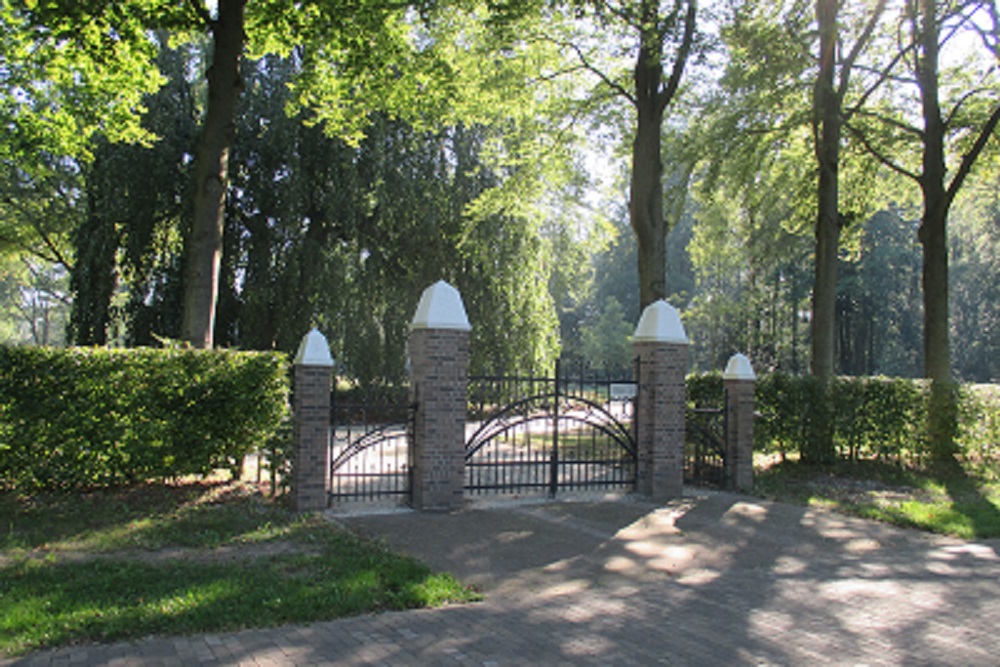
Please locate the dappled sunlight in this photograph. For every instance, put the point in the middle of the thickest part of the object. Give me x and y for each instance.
(597, 608)
(621, 565)
(508, 537)
(668, 558)
(731, 579)
(861, 545)
(772, 621)
(699, 577)
(746, 510)
(977, 551)
(587, 646)
(563, 588)
(145, 517)
(717, 579)
(790, 566)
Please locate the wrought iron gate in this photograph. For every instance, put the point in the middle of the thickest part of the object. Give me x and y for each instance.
(704, 447)
(534, 435)
(370, 438)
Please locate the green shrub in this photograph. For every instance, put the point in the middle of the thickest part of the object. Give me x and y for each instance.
(869, 417)
(91, 417)
(979, 429)
(785, 404)
(705, 390)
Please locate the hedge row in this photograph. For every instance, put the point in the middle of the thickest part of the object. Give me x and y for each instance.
(89, 417)
(870, 417)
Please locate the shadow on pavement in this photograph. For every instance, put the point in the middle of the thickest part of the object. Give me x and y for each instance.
(717, 578)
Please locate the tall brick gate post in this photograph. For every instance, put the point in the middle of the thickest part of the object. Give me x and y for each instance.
(739, 380)
(439, 366)
(661, 348)
(313, 373)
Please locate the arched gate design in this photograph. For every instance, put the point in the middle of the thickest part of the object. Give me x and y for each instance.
(534, 435)
(369, 450)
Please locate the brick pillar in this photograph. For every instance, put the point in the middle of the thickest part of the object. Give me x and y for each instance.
(660, 345)
(739, 380)
(439, 368)
(311, 456)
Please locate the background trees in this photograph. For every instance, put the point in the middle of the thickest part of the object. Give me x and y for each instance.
(367, 158)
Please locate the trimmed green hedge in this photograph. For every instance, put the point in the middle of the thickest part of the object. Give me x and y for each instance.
(979, 428)
(92, 417)
(871, 417)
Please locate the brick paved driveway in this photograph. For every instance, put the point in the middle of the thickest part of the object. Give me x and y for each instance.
(712, 579)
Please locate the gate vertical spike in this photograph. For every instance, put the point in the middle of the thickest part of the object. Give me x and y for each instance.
(554, 454)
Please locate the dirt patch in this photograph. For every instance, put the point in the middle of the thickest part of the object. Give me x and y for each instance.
(225, 554)
(64, 517)
(865, 491)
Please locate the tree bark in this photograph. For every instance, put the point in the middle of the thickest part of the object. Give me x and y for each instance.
(942, 408)
(651, 98)
(646, 204)
(933, 226)
(826, 110)
(204, 246)
(646, 185)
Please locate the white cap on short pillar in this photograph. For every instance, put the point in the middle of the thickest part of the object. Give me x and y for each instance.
(739, 368)
(441, 307)
(314, 351)
(660, 323)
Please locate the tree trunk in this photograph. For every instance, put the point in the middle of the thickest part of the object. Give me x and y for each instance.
(204, 246)
(933, 236)
(942, 408)
(827, 130)
(646, 186)
(94, 276)
(651, 97)
(826, 112)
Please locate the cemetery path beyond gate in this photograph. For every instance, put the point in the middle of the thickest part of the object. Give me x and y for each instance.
(545, 435)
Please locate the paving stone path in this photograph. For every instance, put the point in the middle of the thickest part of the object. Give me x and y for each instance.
(711, 579)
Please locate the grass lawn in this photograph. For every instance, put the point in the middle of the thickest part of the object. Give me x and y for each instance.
(955, 502)
(187, 558)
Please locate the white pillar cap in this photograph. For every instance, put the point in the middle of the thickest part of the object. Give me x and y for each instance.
(441, 307)
(314, 351)
(660, 323)
(739, 368)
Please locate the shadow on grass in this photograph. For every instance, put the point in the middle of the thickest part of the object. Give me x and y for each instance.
(978, 510)
(49, 604)
(945, 499)
(148, 516)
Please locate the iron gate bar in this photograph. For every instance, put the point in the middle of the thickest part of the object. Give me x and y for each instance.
(554, 464)
(498, 424)
(501, 452)
(706, 462)
(374, 462)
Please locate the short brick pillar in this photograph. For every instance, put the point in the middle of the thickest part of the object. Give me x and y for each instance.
(661, 348)
(311, 456)
(739, 380)
(439, 368)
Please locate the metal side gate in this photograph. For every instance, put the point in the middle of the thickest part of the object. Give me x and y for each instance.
(704, 447)
(370, 440)
(545, 435)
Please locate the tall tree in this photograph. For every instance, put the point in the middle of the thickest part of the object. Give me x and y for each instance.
(974, 260)
(136, 204)
(637, 51)
(959, 114)
(203, 256)
(656, 81)
(832, 83)
(66, 76)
